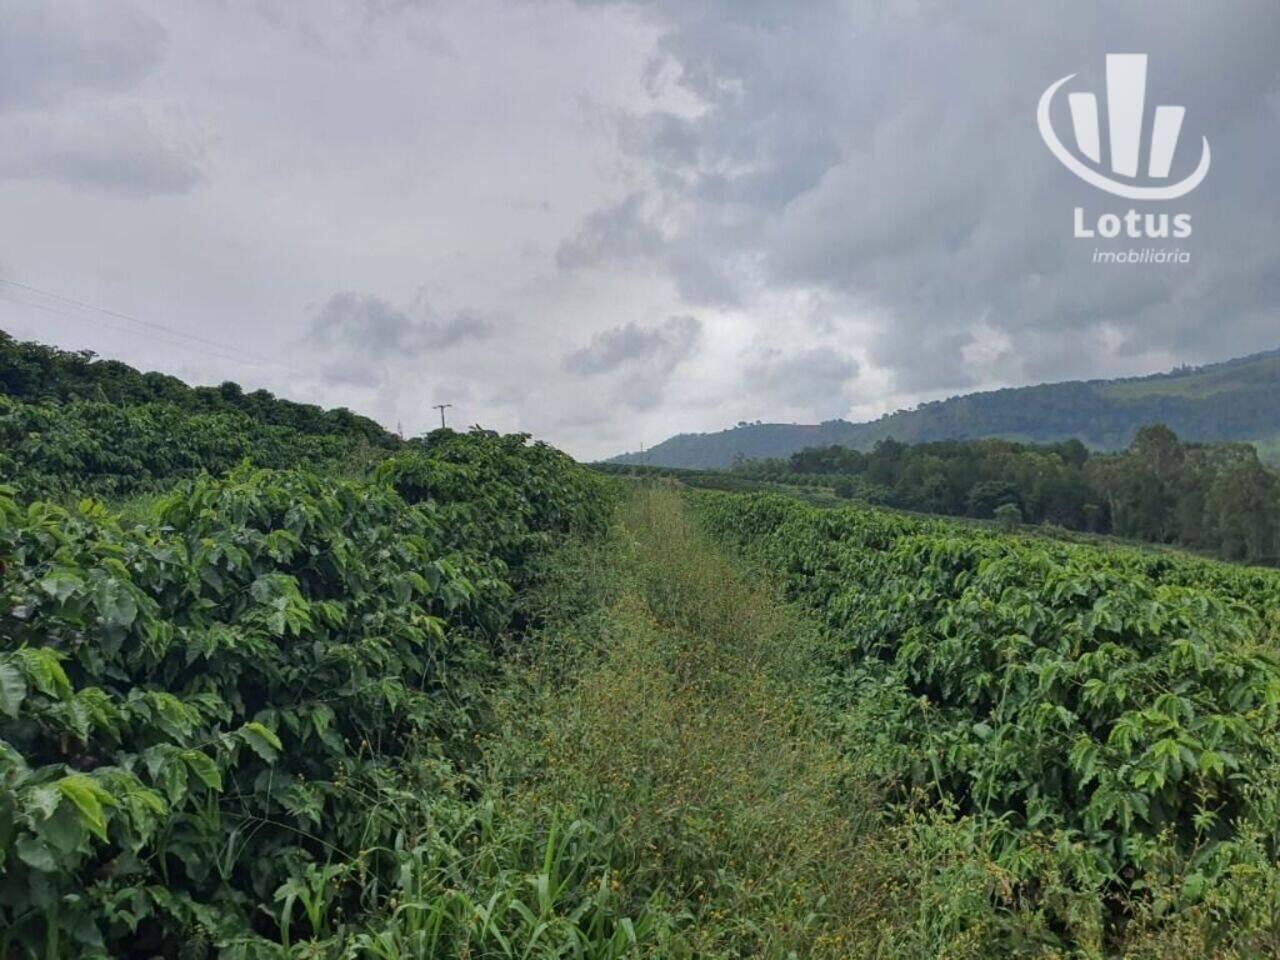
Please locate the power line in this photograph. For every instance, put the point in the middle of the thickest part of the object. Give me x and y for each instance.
(157, 331)
(85, 305)
(150, 337)
(226, 351)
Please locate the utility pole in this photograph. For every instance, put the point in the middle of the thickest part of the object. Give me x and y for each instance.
(441, 407)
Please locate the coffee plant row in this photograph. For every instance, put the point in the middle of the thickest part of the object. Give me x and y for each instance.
(1109, 716)
(60, 451)
(40, 374)
(216, 718)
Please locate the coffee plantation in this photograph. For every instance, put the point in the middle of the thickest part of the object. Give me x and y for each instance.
(198, 710)
(1110, 716)
(277, 684)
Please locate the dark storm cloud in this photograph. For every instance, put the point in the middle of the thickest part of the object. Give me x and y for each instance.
(68, 74)
(615, 233)
(116, 149)
(670, 139)
(623, 233)
(701, 279)
(51, 50)
(362, 334)
(814, 380)
(889, 155)
(639, 361)
(375, 326)
(662, 347)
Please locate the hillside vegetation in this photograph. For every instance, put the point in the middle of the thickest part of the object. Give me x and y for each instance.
(1232, 401)
(39, 374)
(73, 424)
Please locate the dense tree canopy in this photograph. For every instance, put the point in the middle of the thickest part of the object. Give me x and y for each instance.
(1218, 497)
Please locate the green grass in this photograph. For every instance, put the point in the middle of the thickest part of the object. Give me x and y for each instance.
(675, 705)
(673, 709)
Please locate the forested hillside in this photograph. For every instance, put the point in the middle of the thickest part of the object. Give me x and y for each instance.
(1233, 401)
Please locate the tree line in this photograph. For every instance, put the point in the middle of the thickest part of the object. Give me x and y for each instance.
(1216, 497)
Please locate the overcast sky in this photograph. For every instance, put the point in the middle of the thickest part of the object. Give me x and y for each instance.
(608, 222)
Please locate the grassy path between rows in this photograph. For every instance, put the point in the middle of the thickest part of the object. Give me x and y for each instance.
(668, 704)
(659, 778)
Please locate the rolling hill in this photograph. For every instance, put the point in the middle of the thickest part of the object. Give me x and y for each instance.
(1234, 400)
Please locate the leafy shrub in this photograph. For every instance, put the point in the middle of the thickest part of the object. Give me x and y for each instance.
(40, 374)
(80, 448)
(508, 497)
(1008, 516)
(253, 696)
(1117, 709)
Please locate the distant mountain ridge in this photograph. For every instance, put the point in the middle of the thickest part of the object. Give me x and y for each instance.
(1232, 400)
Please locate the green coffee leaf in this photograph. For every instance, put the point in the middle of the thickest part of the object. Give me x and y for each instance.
(13, 689)
(204, 768)
(89, 798)
(262, 740)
